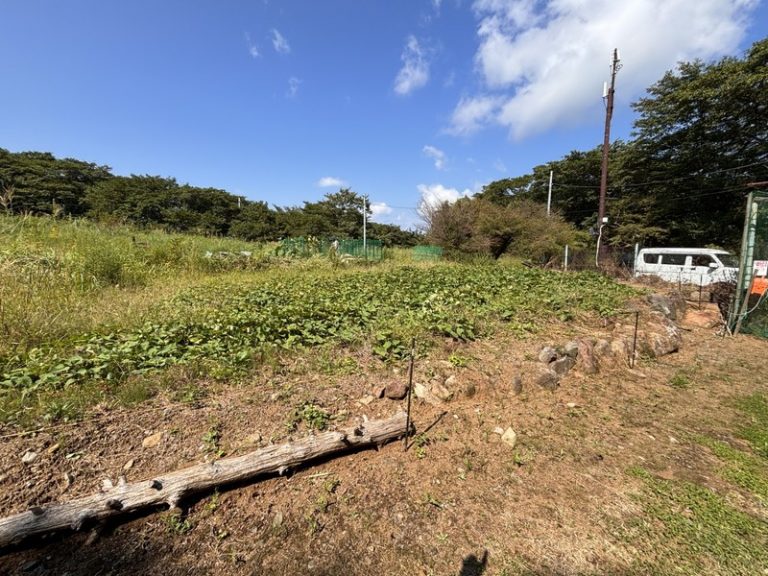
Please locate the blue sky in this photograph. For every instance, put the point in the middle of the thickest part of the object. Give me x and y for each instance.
(286, 100)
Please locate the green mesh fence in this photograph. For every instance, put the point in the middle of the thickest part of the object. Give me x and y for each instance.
(370, 249)
(749, 307)
(427, 253)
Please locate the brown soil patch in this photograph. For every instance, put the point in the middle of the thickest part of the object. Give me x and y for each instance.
(459, 501)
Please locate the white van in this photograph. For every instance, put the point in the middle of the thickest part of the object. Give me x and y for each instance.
(699, 266)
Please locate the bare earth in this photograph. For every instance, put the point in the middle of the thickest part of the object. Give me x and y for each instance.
(458, 501)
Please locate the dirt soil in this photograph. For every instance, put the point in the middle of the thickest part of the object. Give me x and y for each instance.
(458, 501)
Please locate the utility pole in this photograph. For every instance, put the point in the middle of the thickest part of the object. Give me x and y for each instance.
(365, 225)
(549, 194)
(608, 95)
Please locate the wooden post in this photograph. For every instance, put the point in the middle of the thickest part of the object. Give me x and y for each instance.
(170, 489)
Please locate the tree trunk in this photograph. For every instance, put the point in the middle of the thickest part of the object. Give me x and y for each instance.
(170, 489)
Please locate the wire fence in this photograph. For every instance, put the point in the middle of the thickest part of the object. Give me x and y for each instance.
(304, 247)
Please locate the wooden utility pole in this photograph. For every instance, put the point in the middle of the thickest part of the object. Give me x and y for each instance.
(608, 95)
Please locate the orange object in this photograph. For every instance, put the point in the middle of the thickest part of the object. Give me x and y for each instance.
(759, 286)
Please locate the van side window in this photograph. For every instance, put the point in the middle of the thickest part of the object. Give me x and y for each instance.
(702, 260)
(650, 258)
(674, 259)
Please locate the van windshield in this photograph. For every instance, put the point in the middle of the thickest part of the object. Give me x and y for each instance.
(729, 260)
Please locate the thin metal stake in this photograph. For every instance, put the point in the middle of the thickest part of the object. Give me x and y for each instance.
(634, 341)
(701, 280)
(410, 388)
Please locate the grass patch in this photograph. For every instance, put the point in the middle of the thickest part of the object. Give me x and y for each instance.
(687, 529)
(746, 471)
(754, 429)
(680, 380)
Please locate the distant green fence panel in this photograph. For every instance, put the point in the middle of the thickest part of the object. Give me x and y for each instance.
(372, 250)
(427, 253)
(305, 247)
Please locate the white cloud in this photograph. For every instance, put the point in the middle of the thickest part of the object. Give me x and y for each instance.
(433, 195)
(415, 71)
(436, 154)
(293, 87)
(436, 5)
(280, 43)
(471, 114)
(380, 209)
(543, 63)
(331, 182)
(253, 50)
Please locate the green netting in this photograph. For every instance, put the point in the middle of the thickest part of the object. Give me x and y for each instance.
(427, 253)
(749, 310)
(370, 249)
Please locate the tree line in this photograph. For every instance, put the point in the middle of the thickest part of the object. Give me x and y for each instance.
(700, 137)
(39, 183)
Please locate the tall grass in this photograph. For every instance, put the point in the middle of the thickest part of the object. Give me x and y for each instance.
(59, 278)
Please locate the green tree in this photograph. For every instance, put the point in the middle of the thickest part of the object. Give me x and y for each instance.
(41, 181)
(701, 135)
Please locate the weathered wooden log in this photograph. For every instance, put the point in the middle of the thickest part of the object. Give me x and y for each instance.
(170, 489)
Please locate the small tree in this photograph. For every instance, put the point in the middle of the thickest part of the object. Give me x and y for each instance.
(6, 198)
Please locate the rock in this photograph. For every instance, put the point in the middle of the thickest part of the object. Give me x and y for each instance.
(450, 382)
(29, 457)
(441, 392)
(561, 366)
(498, 430)
(434, 393)
(602, 348)
(254, 439)
(277, 521)
(586, 362)
(509, 437)
(547, 379)
(54, 448)
(379, 391)
(571, 349)
(547, 355)
(128, 465)
(366, 400)
(620, 348)
(153, 440)
(671, 306)
(571, 405)
(708, 318)
(517, 384)
(469, 390)
(396, 390)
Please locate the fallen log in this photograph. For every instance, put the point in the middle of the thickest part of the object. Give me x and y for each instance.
(170, 489)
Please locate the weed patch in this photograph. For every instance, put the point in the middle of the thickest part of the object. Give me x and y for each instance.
(688, 529)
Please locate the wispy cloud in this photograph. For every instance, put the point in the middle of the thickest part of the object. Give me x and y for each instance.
(433, 195)
(436, 154)
(330, 181)
(280, 42)
(293, 87)
(543, 63)
(253, 49)
(379, 209)
(473, 113)
(415, 71)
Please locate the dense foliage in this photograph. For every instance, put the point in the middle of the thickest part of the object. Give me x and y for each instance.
(237, 323)
(700, 137)
(518, 227)
(39, 183)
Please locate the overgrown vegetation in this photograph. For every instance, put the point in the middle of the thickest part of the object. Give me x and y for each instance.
(692, 531)
(186, 315)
